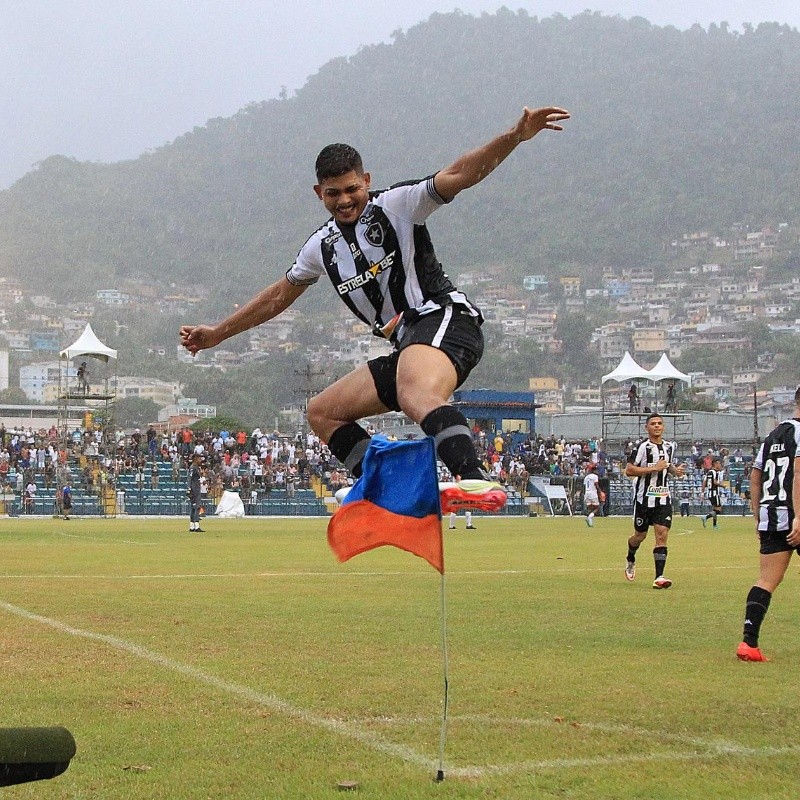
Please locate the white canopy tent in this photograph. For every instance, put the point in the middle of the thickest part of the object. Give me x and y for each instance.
(88, 344)
(665, 370)
(623, 421)
(88, 398)
(627, 370)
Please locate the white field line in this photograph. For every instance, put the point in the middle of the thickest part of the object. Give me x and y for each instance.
(105, 539)
(556, 764)
(703, 749)
(269, 701)
(339, 574)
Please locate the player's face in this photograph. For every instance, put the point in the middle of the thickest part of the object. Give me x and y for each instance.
(655, 428)
(345, 196)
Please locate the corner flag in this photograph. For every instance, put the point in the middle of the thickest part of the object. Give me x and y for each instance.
(395, 501)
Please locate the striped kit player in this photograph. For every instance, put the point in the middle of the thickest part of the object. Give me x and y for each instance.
(713, 484)
(384, 267)
(775, 463)
(650, 465)
(774, 498)
(376, 250)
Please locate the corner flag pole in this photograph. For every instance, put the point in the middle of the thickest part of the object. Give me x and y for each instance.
(443, 734)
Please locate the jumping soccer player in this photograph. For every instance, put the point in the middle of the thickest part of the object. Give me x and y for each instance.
(377, 252)
(649, 465)
(774, 496)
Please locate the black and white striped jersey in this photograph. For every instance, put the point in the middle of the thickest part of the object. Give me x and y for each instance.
(775, 461)
(712, 483)
(652, 489)
(385, 264)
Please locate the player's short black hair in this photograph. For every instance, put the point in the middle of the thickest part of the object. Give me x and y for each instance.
(337, 159)
(652, 416)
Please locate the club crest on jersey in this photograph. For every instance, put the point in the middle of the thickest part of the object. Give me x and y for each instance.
(374, 234)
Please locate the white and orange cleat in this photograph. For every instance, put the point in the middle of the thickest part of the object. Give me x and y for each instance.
(473, 495)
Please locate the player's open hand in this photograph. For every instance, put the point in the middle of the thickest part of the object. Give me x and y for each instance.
(793, 538)
(534, 120)
(198, 337)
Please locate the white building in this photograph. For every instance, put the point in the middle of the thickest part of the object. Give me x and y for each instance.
(187, 407)
(3, 370)
(587, 396)
(35, 378)
(160, 392)
(112, 297)
(17, 340)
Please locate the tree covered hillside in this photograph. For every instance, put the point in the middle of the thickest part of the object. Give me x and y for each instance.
(672, 131)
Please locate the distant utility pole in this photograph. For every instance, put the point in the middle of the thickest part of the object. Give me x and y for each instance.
(307, 388)
(756, 437)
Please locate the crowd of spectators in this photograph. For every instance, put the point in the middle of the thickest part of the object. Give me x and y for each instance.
(255, 463)
(258, 463)
(25, 454)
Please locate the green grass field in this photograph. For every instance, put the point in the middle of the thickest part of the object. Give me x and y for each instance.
(247, 663)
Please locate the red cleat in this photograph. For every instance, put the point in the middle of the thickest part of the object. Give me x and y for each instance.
(473, 495)
(746, 653)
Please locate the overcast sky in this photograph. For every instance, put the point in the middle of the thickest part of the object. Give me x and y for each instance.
(105, 80)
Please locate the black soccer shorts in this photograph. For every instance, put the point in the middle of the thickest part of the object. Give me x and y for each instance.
(775, 542)
(644, 516)
(453, 330)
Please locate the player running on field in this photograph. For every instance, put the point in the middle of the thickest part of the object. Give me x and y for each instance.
(591, 493)
(649, 465)
(713, 484)
(377, 252)
(774, 496)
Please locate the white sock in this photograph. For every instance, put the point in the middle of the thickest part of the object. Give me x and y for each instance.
(468, 515)
(452, 519)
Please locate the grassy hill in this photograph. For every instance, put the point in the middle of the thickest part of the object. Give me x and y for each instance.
(672, 131)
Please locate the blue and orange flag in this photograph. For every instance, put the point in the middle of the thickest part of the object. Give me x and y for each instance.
(395, 501)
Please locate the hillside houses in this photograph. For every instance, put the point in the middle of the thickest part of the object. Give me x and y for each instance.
(721, 285)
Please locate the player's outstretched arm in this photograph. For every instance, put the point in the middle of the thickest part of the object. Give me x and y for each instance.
(474, 166)
(266, 305)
